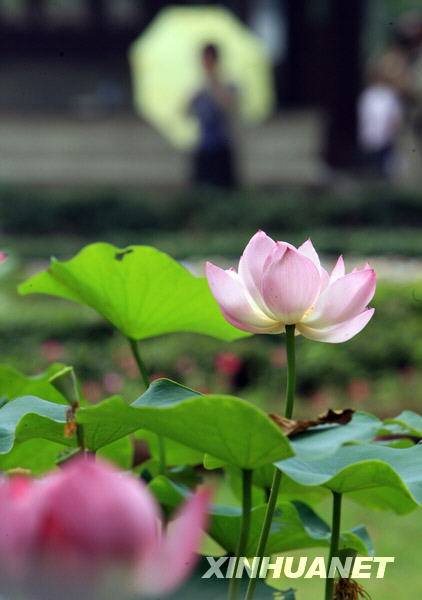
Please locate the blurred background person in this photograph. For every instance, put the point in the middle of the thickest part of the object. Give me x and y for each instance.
(214, 106)
(380, 117)
(409, 37)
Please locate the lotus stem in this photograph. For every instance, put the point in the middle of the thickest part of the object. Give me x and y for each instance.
(334, 544)
(244, 531)
(162, 463)
(141, 365)
(275, 487)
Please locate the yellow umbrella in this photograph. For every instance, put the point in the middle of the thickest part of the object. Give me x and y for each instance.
(166, 69)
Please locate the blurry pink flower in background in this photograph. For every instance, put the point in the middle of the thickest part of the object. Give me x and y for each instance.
(185, 364)
(113, 383)
(3, 257)
(228, 363)
(359, 389)
(278, 284)
(203, 389)
(278, 357)
(92, 391)
(52, 350)
(322, 399)
(127, 363)
(92, 533)
(155, 376)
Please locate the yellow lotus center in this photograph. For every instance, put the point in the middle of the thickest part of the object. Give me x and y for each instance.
(308, 312)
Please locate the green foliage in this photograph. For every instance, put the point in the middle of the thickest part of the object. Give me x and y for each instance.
(325, 440)
(14, 384)
(384, 362)
(29, 417)
(378, 221)
(145, 293)
(295, 525)
(140, 290)
(407, 422)
(377, 476)
(176, 454)
(96, 211)
(226, 427)
(36, 455)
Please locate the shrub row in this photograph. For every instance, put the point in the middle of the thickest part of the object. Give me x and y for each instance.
(95, 212)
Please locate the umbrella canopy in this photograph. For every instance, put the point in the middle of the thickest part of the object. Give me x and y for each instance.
(167, 72)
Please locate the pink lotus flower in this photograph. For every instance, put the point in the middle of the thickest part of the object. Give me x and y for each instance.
(91, 533)
(278, 285)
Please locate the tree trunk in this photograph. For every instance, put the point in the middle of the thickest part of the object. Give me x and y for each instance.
(97, 13)
(34, 12)
(343, 82)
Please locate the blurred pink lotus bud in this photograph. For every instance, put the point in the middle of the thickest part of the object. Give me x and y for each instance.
(113, 383)
(185, 364)
(52, 350)
(278, 285)
(159, 375)
(359, 390)
(228, 363)
(278, 356)
(92, 533)
(92, 391)
(3, 257)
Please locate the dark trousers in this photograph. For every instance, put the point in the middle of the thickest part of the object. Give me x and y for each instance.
(379, 163)
(214, 167)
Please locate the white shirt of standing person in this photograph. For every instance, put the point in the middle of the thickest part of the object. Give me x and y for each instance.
(380, 115)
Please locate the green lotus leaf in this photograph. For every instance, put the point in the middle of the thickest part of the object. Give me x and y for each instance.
(29, 418)
(119, 452)
(176, 454)
(140, 290)
(406, 422)
(14, 384)
(289, 489)
(374, 475)
(36, 455)
(318, 441)
(323, 440)
(226, 427)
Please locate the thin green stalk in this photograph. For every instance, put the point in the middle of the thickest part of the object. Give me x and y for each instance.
(66, 383)
(244, 530)
(272, 501)
(80, 437)
(141, 365)
(335, 535)
(162, 462)
(291, 371)
(144, 374)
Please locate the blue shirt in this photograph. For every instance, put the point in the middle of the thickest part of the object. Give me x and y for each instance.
(214, 129)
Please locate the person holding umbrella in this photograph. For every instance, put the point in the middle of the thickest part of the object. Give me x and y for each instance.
(189, 89)
(213, 106)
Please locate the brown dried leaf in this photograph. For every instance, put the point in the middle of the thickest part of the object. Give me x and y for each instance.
(70, 429)
(292, 427)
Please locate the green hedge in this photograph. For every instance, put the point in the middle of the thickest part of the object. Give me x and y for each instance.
(96, 212)
(45, 223)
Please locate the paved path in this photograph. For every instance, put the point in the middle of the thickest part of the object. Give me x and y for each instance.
(49, 150)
